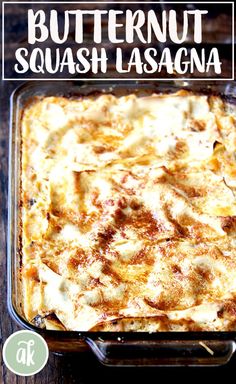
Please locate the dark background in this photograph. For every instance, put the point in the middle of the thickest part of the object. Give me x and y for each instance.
(84, 368)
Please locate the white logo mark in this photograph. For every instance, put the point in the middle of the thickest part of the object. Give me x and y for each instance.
(24, 354)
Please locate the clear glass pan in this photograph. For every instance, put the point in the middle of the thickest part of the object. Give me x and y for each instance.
(120, 349)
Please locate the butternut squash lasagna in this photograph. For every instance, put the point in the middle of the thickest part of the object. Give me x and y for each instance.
(128, 213)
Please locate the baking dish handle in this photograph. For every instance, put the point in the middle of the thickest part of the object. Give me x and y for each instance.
(162, 352)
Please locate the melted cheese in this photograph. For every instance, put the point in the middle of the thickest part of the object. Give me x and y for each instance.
(129, 213)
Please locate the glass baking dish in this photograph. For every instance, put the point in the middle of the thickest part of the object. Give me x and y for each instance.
(111, 348)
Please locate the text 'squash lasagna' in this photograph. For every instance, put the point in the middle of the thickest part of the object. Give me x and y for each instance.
(129, 213)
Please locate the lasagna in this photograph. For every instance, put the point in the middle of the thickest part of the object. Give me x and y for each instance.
(128, 213)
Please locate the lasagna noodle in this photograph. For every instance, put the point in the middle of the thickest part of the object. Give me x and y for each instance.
(129, 213)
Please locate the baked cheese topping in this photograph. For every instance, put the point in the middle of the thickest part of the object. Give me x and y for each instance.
(129, 213)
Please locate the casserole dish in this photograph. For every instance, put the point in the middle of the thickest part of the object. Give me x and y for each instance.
(112, 348)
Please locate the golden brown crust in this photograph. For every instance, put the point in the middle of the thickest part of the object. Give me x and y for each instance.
(128, 213)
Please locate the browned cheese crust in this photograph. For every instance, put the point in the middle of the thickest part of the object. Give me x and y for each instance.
(129, 213)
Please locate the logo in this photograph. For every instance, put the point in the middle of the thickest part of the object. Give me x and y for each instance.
(25, 353)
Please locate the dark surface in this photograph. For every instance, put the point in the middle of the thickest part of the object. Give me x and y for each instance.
(82, 368)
